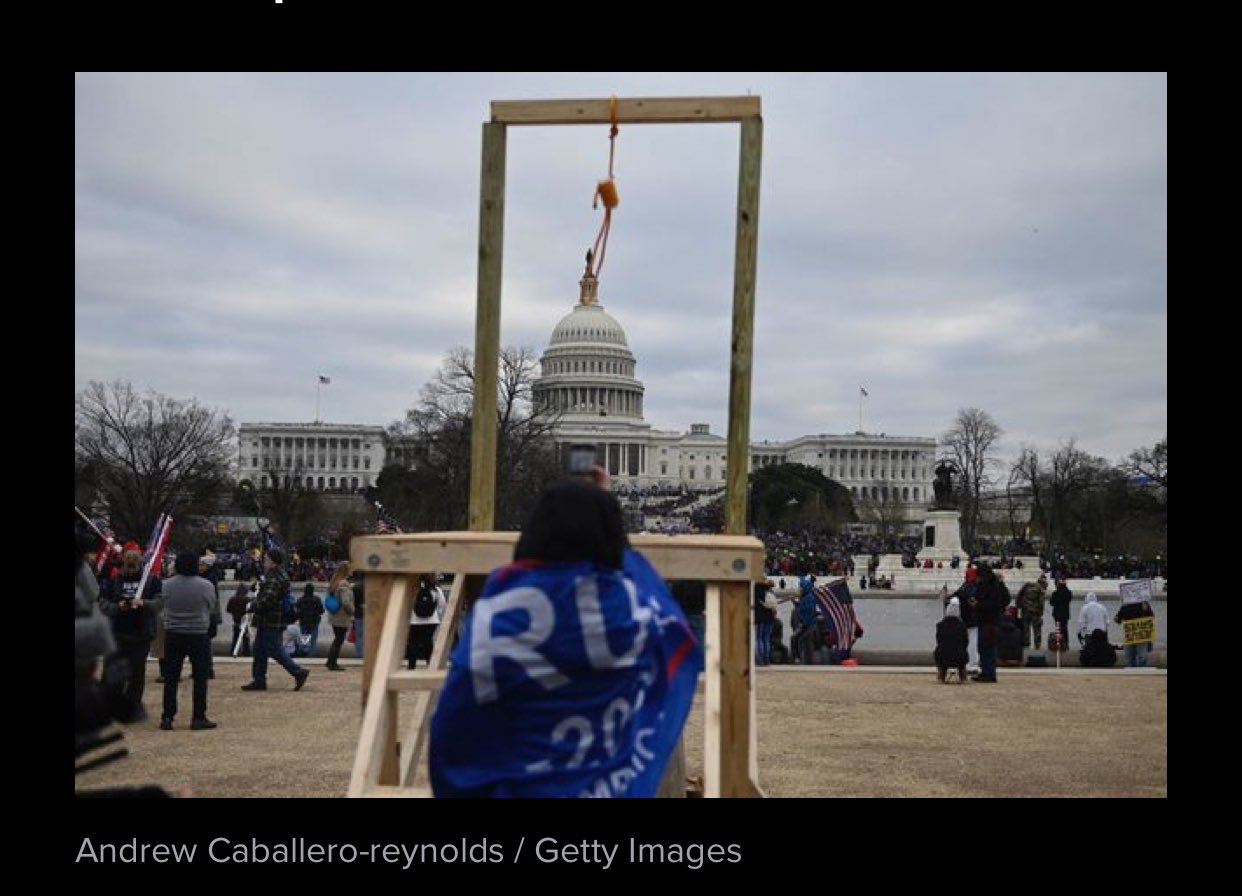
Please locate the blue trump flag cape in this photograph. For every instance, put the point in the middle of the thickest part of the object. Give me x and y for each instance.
(569, 680)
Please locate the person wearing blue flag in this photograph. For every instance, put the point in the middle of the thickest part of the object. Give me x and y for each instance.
(575, 671)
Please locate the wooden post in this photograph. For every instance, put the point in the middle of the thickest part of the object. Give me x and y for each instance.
(735, 654)
(487, 330)
(376, 761)
(742, 348)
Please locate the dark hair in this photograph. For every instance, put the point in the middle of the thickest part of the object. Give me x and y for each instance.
(276, 555)
(574, 521)
(309, 590)
(186, 563)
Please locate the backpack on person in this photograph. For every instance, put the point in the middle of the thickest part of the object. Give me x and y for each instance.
(425, 602)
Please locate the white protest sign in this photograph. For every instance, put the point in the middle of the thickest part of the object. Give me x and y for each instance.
(1135, 592)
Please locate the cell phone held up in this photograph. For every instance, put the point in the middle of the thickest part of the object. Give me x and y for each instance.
(581, 459)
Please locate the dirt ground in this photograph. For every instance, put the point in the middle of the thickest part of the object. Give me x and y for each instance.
(821, 733)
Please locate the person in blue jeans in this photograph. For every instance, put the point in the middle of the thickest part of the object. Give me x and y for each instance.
(1136, 654)
(990, 599)
(267, 615)
(765, 612)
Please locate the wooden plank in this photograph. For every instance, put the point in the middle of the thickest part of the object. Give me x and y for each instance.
(453, 611)
(487, 330)
(713, 743)
(745, 256)
(417, 680)
(737, 652)
(376, 759)
(719, 557)
(411, 743)
(376, 589)
(705, 557)
(636, 110)
(461, 552)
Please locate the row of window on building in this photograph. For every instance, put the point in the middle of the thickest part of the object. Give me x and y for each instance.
(326, 463)
(619, 368)
(301, 442)
(330, 483)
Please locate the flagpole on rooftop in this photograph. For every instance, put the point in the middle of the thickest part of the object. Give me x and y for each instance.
(318, 392)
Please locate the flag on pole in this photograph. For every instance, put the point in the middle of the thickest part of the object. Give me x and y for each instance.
(325, 380)
(157, 554)
(153, 540)
(864, 392)
(838, 606)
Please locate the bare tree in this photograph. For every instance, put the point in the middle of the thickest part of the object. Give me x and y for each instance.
(1152, 463)
(435, 493)
(282, 496)
(970, 443)
(149, 454)
(1025, 475)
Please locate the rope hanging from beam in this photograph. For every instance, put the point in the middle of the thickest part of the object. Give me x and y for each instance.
(605, 191)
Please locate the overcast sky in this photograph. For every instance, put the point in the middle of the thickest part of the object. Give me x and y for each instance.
(943, 240)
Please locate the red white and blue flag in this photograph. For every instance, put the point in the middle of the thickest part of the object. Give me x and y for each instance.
(837, 604)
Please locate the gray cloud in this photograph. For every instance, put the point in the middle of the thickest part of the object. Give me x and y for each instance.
(944, 240)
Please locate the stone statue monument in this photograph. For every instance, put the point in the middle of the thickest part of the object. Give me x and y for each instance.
(942, 533)
(943, 486)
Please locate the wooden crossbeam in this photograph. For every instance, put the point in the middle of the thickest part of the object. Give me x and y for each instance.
(735, 558)
(635, 110)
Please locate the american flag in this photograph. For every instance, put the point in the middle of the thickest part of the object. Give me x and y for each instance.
(385, 524)
(148, 553)
(838, 606)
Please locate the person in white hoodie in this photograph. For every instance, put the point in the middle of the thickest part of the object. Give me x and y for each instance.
(1091, 616)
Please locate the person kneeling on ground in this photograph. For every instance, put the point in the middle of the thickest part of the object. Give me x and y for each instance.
(1096, 652)
(951, 641)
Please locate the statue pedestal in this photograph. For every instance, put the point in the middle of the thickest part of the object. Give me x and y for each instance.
(942, 536)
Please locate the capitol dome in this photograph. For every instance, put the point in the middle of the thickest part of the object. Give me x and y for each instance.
(588, 368)
(588, 324)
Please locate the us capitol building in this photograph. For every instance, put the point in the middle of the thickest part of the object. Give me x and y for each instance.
(587, 377)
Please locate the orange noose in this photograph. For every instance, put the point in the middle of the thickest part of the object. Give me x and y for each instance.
(605, 190)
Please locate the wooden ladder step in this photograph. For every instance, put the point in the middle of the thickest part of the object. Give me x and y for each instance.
(417, 680)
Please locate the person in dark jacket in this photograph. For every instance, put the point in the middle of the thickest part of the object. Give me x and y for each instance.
(951, 641)
(990, 599)
(133, 621)
(691, 596)
(1096, 652)
(310, 610)
(271, 626)
(1060, 604)
(765, 613)
(1136, 654)
(1009, 638)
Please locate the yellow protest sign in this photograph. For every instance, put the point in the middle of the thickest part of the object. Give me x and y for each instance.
(1141, 630)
